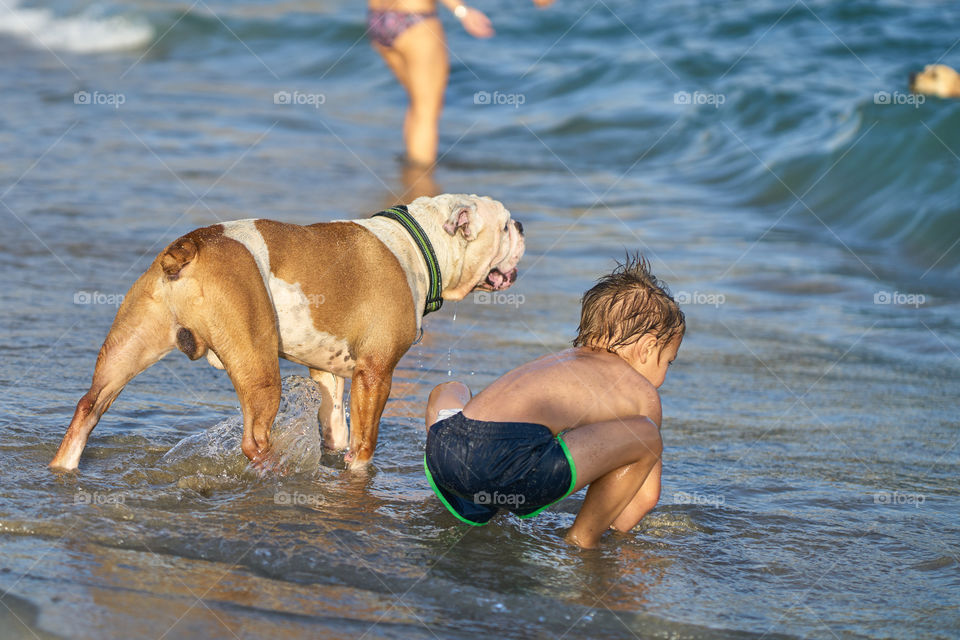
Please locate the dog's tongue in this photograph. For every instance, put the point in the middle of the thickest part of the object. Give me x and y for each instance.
(495, 278)
(498, 280)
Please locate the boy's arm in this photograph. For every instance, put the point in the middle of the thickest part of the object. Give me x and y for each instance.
(642, 503)
(649, 493)
(648, 404)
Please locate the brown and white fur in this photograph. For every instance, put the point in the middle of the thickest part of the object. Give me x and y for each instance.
(343, 298)
(936, 80)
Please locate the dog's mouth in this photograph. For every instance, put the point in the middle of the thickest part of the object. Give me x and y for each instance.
(498, 280)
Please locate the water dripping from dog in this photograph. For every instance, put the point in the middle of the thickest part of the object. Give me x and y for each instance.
(453, 325)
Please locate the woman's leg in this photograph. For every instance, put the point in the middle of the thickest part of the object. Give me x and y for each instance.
(423, 71)
(394, 60)
(448, 395)
(614, 458)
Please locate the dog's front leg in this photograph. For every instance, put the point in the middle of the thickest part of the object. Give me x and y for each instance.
(332, 413)
(369, 391)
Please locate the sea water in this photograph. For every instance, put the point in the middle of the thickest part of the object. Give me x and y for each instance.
(764, 155)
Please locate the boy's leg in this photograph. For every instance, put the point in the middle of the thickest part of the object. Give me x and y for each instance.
(614, 458)
(447, 395)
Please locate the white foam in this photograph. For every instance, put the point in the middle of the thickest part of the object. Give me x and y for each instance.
(79, 34)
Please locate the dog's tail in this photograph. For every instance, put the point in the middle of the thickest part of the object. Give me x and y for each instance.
(178, 255)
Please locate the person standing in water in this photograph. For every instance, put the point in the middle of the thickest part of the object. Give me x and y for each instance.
(409, 36)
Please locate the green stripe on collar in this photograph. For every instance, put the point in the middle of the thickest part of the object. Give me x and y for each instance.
(400, 214)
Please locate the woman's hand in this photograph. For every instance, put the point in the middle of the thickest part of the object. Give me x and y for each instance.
(477, 23)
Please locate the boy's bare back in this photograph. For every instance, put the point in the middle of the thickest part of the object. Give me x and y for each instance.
(568, 389)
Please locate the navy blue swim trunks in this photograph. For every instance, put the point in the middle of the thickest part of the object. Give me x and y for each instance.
(477, 468)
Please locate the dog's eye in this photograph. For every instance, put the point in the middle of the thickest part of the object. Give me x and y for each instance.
(506, 224)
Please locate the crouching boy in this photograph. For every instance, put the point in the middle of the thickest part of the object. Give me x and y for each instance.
(589, 415)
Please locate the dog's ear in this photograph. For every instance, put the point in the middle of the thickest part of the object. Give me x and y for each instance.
(465, 219)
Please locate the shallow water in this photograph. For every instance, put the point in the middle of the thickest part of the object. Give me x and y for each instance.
(810, 230)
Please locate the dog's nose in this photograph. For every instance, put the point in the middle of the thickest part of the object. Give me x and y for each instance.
(519, 226)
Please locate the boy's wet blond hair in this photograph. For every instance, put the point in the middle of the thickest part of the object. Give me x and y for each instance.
(627, 304)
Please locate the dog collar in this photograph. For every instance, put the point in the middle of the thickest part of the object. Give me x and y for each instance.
(400, 214)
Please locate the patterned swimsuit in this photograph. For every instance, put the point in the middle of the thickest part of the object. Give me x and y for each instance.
(385, 26)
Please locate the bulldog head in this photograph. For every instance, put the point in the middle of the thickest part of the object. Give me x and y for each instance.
(484, 244)
(936, 80)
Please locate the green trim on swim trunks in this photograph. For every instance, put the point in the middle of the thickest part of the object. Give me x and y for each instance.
(433, 485)
(573, 480)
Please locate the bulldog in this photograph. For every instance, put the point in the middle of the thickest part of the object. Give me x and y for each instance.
(343, 298)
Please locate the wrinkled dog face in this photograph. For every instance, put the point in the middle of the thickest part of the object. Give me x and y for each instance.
(936, 80)
(492, 242)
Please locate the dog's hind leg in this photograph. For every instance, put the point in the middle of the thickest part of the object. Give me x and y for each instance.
(252, 363)
(241, 330)
(142, 333)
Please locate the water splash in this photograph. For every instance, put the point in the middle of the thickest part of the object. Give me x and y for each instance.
(294, 438)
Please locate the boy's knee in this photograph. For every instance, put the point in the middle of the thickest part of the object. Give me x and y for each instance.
(647, 435)
(454, 386)
(453, 390)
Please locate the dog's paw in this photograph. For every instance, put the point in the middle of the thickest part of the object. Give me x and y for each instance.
(354, 463)
(269, 464)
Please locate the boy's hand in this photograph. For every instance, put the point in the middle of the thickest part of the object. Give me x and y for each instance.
(477, 23)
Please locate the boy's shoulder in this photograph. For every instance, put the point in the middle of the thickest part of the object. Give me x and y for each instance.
(615, 377)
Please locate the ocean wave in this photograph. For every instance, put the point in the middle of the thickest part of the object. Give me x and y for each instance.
(884, 176)
(86, 32)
